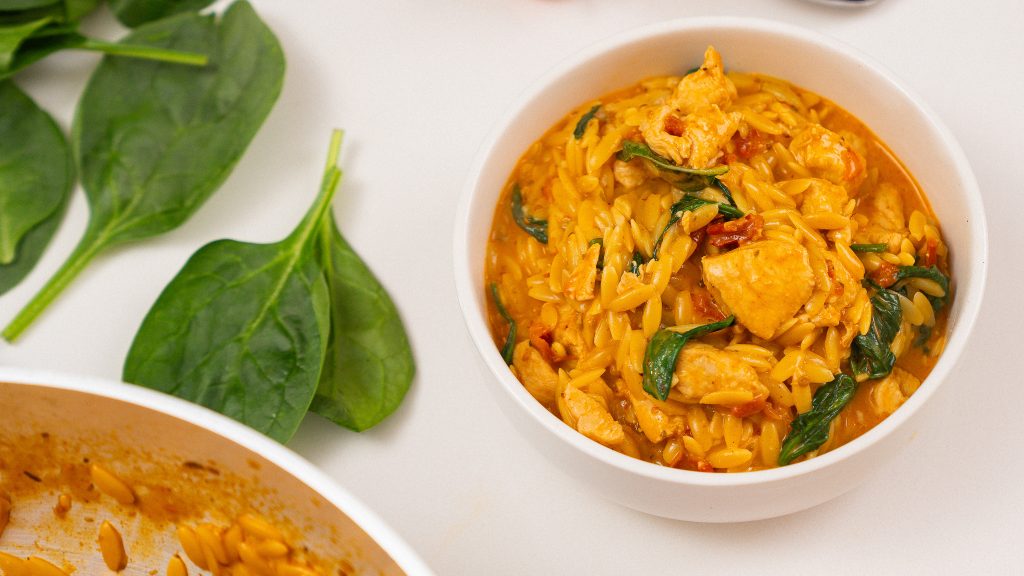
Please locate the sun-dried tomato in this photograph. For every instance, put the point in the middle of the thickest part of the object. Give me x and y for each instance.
(753, 144)
(674, 125)
(705, 305)
(736, 232)
(540, 339)
(931, 252)
(885, 274)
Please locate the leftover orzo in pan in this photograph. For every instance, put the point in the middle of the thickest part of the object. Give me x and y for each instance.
(716, 272)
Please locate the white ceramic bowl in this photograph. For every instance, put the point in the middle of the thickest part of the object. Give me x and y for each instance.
(143, 435)
(812, 61)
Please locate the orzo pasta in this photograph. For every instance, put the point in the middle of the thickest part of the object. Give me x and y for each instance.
(716, 272)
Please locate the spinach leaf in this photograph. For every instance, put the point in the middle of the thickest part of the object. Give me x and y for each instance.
(633, 149)
(930, 273)
(18, 5)
(369, 365)
(155, 140)
(532, 226)
(36, 172)
(689, 203)
(662, 351)
(30, 251)
(635, 263)
(132, 13)
(810, 429)
(243, 328)
(11, 38)
(871, 353)
(581, 126)
(510, 341)
(869, 247)
(717, 183)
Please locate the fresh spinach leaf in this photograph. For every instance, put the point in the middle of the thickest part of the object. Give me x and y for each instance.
(32, 247)
(662, 351)
(810, 429)
(581, 126)
(510, 341)
(369, 365)
(717, 183)
(930, 273)
(36, 174)
(11, 38)
(132, 13)
(633, 149)
(155, 140)
(924, 333)
(869, 247)
(533, 226)
(871, 353)
(243, 328)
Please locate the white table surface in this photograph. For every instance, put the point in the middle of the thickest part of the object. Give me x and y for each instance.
(418, 85)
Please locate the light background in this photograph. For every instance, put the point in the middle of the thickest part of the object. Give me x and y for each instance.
(418, 85)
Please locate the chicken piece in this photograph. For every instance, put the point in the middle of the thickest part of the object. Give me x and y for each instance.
(590, 417)
(537, 376)
(654, 422)
(763, 283)
(884, 211)
(828, 156)
(823, 197)
(694, 140)
(702, 369)
(569, 332)
(891, 392)
(580, 285)
(706, 86)
(630, 174)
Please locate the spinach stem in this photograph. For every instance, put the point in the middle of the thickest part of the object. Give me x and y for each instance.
(76, 262)
(145, 52)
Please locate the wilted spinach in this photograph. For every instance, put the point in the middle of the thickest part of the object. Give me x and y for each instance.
(533, 226)
(36, 174)
(510, 341)
(872, 353)
(632, 149)
(132, 13)
(810, 429)
(662, 351)
(869, 247)
(369, 365)
(581, 126)
(264, 332)
(155, 140)
(689, 203)
(930, 273)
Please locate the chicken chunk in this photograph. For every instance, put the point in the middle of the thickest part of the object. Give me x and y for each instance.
(580, 285)
(828, 156)
(702, 369)
(763, 283)
(654, 422)
(706, 86)
(590, 417)
(892, 391)
(841, 296)
(823, 197)
(695, 140)
(537, 376)
(886, 220)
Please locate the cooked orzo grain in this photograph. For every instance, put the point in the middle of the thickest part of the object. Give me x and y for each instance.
(707, 271)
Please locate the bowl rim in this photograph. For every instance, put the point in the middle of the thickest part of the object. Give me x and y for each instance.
(969, 290)
(215, 423)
